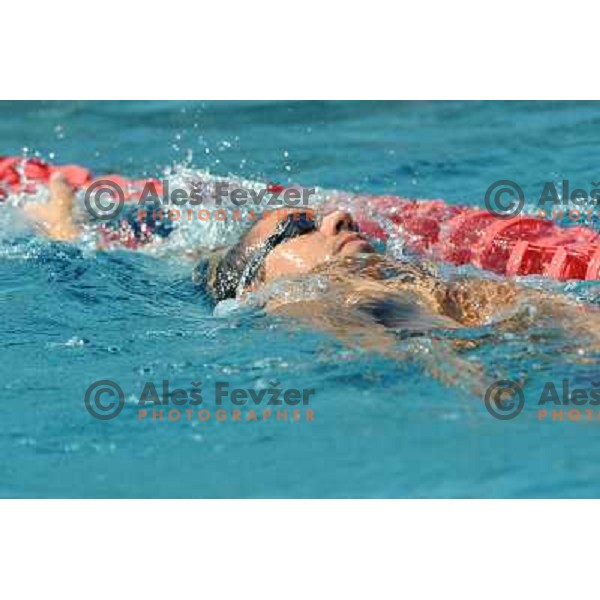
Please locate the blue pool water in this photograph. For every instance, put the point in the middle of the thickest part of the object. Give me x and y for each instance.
(71, 316)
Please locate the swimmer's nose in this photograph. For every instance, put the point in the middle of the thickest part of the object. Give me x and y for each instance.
(337, 221)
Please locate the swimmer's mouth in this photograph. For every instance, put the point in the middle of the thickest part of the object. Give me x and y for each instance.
(354, 239)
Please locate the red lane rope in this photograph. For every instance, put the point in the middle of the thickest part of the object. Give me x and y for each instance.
(458, 234)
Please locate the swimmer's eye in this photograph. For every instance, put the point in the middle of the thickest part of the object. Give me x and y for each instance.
(295, 225)
(290, 227)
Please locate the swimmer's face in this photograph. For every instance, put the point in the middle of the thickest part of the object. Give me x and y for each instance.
(334, 235)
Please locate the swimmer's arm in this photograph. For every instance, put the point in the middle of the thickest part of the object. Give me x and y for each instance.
(346, 325)
(473, 302)
(55, 218)
(579, 321)
(513, 308)
(439, 358)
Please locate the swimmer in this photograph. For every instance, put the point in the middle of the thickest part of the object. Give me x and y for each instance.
(362, 297)
(392, 293)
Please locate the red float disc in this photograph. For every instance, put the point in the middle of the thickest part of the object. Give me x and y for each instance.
(593, 270)
(516, 259)
(460, 233)
(492, 251)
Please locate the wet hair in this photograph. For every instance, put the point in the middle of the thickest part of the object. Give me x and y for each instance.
(222, 272)
(243, 264)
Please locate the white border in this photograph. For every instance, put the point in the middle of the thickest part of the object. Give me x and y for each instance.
(312, 49)
(430, 49)
(294, 549)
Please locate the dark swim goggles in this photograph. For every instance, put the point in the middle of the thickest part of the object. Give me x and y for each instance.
(292, 226)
